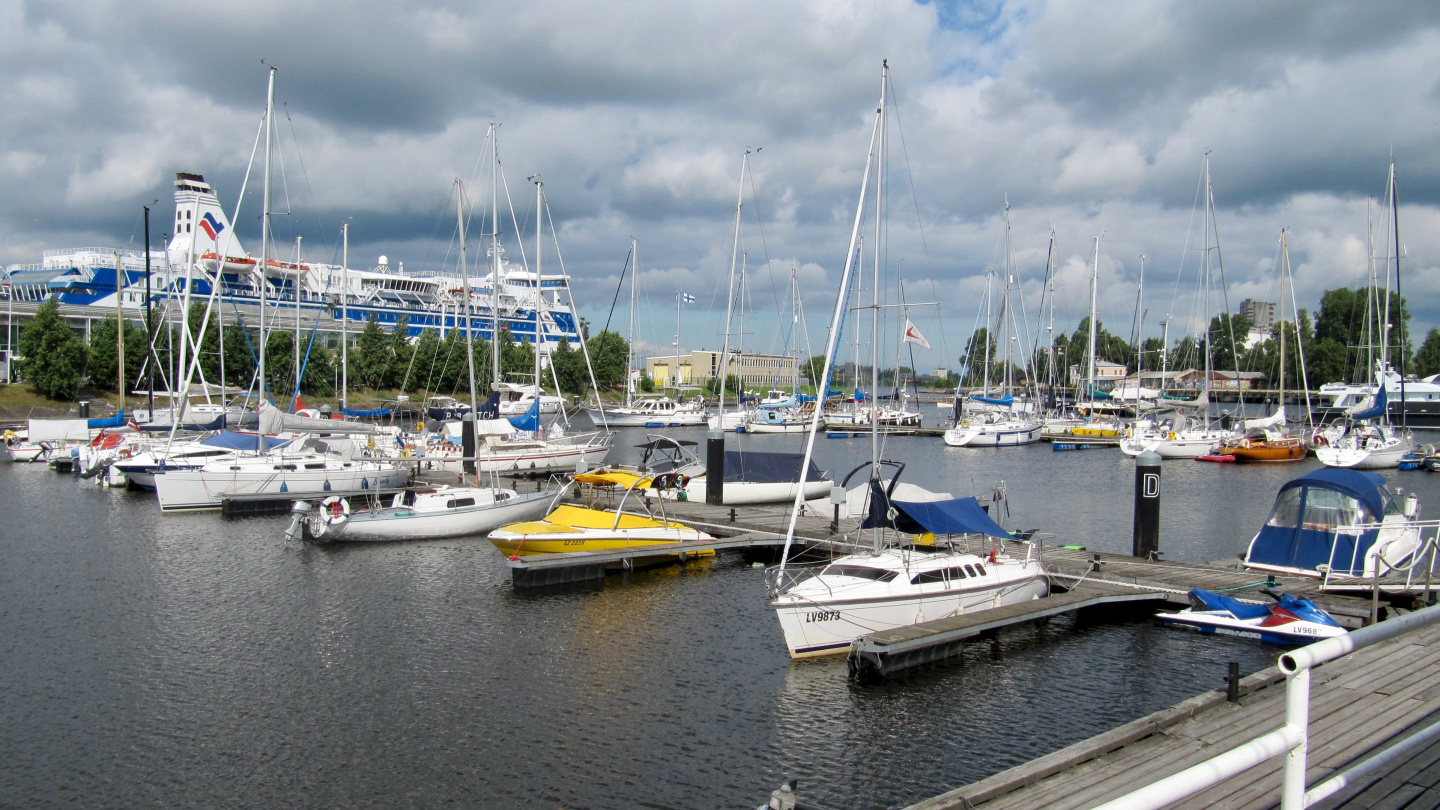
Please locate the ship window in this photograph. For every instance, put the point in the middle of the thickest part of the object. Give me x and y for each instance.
(859, 572)
(1286, 514)
(971, 570)
(938, 575)
(319, 466)
(457, 502)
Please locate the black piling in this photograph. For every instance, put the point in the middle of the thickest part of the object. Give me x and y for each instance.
(1146, 541)
(467, 442)
(715, 468)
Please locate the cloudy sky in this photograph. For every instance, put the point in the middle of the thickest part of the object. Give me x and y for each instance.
(1093, 118)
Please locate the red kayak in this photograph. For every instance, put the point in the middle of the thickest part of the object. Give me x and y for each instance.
(1217, 458)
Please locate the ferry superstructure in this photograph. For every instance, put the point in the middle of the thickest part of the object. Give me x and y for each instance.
(204, 251)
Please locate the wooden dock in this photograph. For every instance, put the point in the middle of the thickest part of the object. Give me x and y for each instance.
(1359, 704)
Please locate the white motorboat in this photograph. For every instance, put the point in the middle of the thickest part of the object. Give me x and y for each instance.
(1366, 447)
(994, 429)
(140, 467)
(1176, 436)
(425, 514)
(308, 470)
(515, 399)
(650, 412)
(751, 476)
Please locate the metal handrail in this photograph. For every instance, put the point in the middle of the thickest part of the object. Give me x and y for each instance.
(1291, 739)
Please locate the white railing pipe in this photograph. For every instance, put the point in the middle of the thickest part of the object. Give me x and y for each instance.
(1211, 772)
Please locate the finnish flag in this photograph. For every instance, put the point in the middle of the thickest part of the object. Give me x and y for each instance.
(687, 298)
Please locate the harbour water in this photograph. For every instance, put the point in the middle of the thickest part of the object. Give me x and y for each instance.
(191, 660)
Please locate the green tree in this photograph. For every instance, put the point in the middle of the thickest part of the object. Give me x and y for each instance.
(814, 369)
(370, 357)
(570, 368)
(1427, 359)
(102, 362)
(425, 354)
(401, 352)
(732, 386)
(610, 355)
(280, 366)
(54, 355)
(1227, 337)
(646, 384)
(517, 358)
(980, 346)
(1346, 317)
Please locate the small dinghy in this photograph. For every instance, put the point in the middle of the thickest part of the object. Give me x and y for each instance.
(1289, 620)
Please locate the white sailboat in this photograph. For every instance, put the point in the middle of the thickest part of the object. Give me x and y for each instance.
(1369, 440)
(937, 571)
(993, 426)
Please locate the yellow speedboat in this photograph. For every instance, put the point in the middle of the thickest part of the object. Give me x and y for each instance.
(578, 528)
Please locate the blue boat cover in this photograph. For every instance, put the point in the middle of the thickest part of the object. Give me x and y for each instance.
(859, 395)
(241, 441)
(1301, 531)
(218, 423)
(767, 468)
(805, 397)
(1006, 400)
(1373, 412)
(529, 421)
(118, 420)
(958, 516)
(378, 412)
(772, 406)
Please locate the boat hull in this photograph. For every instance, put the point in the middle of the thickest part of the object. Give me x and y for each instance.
(403, 523)
(982, 437)
(1222, 623)
(814, 629)
(741, 493)
(595, 540)
(652, 419)
(197, 490)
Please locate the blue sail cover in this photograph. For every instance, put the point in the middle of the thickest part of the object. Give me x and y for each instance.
(241, 441)
(1374, 411)
(378, 412)
(218, 423)
(958, 516)
(1006, 400)
(118, 420)
(1302, 529)
(767, 468)
(531, 419)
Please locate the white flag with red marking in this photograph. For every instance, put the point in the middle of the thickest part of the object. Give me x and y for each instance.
(912, 335)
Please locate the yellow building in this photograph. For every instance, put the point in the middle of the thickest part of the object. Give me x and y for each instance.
(699, 367)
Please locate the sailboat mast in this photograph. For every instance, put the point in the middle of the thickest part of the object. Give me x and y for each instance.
(149, 329)
(833, 336)
(1094, 287)
(875, 297)
(465, 288)
(679, 297)
(730, 299)
(1050, 330)
(345, 314)
(119, 331)
(1395, 224)
(630, 346)
(1005, 302)
(495, 347)
(1284, 268)
(989, 338)
(264, 252)
(1140, 332)
(539, 291)
(295, 293)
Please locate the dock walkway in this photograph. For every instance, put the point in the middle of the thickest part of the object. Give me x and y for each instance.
(1358, 704)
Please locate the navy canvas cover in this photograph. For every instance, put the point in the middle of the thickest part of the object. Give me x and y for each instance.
(957, 516)
(1301, 530)
(378, 412)
(767, 468)
(530, 420)
(241, 441)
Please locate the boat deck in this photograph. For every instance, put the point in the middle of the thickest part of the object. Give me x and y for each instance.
(1359, 703)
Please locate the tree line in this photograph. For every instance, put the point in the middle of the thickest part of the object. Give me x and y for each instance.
(57, 361)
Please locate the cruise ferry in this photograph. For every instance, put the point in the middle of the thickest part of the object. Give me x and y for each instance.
(204, 251)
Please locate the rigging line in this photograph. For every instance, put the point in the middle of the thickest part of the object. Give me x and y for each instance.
(618, 285)
(919, 221)
(514, 221)
(764, 244)
(304, 173)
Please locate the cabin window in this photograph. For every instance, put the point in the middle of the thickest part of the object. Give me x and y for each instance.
(980, 568)
(938, 575)
(319, 466)
(1286, 514)
(859, 572)
(1326, 509)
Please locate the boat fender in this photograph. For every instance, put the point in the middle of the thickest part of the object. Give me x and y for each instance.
(334, 511)
(1172, 435)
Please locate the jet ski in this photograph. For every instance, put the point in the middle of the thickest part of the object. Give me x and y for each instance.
(1288, 620)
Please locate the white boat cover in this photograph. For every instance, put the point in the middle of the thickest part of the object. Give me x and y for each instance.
(483, 427)
(274, 420)
(1269, 421)
(59, 430)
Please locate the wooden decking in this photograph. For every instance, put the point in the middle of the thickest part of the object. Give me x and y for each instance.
(1358, 703)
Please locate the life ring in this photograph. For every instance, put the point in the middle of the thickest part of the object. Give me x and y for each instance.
(125, 453)
(1319, 440)
(334, 511)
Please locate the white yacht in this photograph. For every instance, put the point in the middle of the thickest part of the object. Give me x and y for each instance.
(311, 468)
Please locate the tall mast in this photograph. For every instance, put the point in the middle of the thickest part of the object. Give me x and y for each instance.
(119, 331)
(1094, 286)
(1284, 268)
(833, 337)
(495, 347)
(730, 299)
(345, 315)
(465, 286)
(149, 329)
(1395, 224)
(679, 298)
(539, 291)
(989, 338)
(1050, 330)
(264, 248)
(1205, 274)
(875, 294)
(1140, 332)
(1005, 302)
(294, 293)
(630, 345)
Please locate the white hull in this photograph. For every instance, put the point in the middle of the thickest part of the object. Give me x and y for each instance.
(1384, 458)
(1171, 448)
(814, 629)
(193, 490)
(538, 459)
(740, 493)
(630, 419)
(403, 523)
(732, 421)
(777, 427)
(23, 452)
(992, 436)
